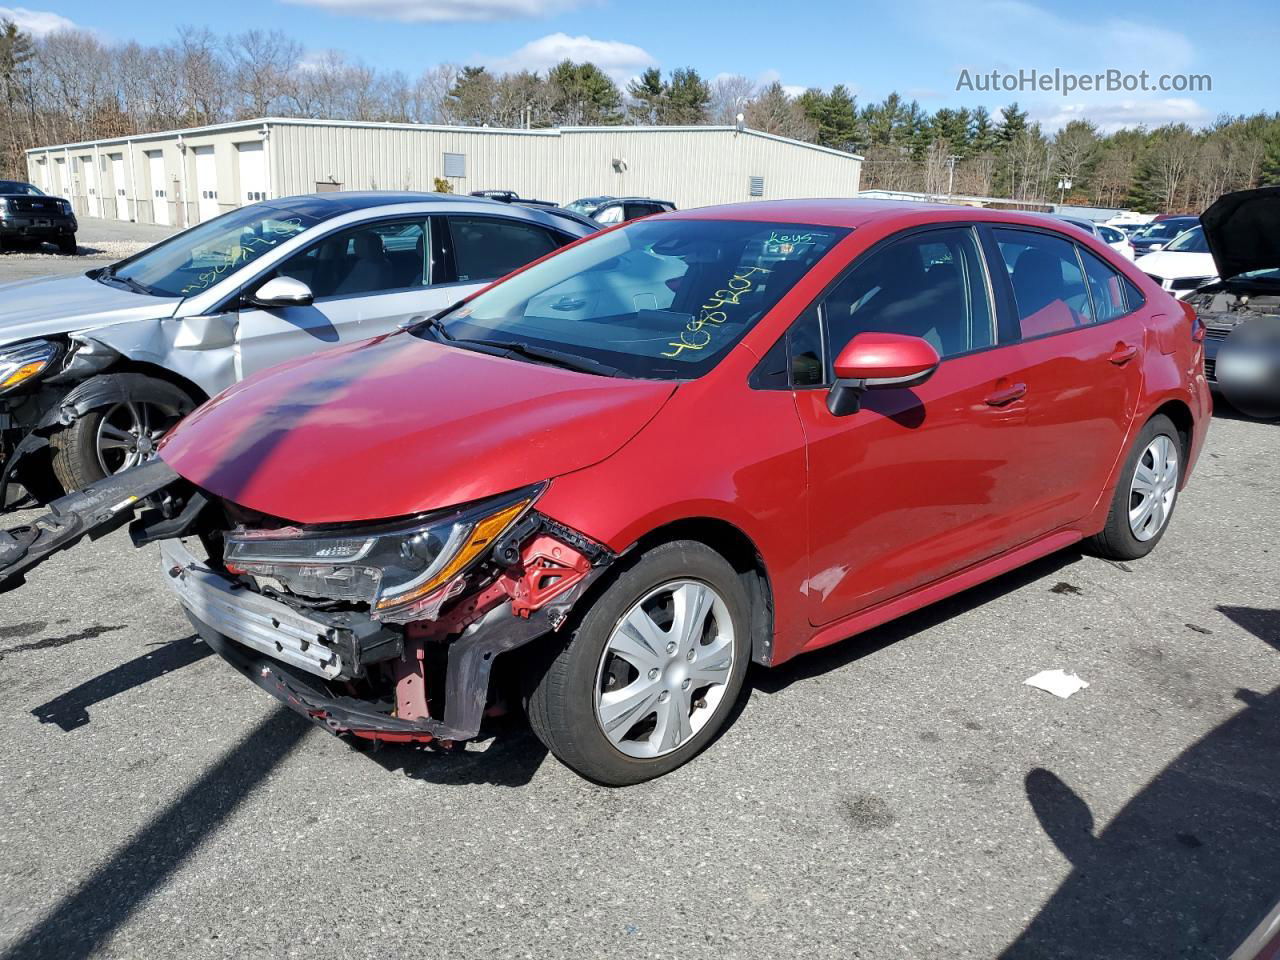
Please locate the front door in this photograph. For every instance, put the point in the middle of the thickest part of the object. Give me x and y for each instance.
(918, 483)
(366, 281)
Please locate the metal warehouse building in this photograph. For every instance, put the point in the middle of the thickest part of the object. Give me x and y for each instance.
(181, 177)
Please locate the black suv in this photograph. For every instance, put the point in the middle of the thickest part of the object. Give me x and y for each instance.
(27, 215)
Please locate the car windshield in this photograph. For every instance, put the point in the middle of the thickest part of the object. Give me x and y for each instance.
(1270, 275)
(1192, 241)
(1164, 230)
(195, 260)
(19, 188)
(660, 299)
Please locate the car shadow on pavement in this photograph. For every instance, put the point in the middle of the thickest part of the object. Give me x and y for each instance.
(809, 665)
(511, 758)
(1190, 865)
(71, 709)
(79, 925)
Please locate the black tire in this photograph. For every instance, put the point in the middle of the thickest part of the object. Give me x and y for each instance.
(67, 244)
(562, 705)
(75, 453)
(1117, 541)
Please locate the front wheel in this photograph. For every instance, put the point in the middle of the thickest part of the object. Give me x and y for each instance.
(121, 433)
(1145, 494)
(652, 671)
(67, 244)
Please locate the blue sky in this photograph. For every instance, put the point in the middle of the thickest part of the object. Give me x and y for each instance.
(917, 47)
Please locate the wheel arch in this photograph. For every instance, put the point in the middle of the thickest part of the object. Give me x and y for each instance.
(1183, 419)
(732, 543)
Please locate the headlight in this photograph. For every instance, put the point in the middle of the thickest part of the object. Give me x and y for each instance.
(24, 362)
(65, 206)
(399, 570)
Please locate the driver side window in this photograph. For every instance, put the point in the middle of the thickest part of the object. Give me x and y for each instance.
(365, 260)
(931, 285)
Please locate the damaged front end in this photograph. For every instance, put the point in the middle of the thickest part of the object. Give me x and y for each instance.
(386, 631)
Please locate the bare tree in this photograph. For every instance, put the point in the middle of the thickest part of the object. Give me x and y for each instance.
(262, 67)
(729, 97)
(772, 111)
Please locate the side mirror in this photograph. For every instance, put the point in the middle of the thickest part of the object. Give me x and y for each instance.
(282, 292)
(879, 361)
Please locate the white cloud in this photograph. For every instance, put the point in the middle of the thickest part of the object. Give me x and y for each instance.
(620, 60)
(1016, 34)
(443, 11)
(36, 22)
(1117, 114)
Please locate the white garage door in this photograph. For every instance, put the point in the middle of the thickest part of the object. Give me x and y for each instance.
(117, 184)
(206, 183)
(89, 173)
(59, 176)
(252, 161)
(159, 188)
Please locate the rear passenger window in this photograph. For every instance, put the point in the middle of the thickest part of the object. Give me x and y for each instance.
(1106, 289)
(485, 248)
(1133, 297)
(929, 285)
(1047, 283)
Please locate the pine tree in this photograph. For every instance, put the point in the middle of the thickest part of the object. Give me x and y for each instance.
(648, 95)
(688, 98)
(583, 95)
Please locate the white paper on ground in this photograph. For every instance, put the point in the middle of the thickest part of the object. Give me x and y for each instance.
(1058, 682)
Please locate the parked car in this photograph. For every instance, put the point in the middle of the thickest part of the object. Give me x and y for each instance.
(610, 210)
(804, 418)
(1241, 311)
(28, 215)
(1160, 233)
(1112, 237)
(95, 368)
(1183, 265)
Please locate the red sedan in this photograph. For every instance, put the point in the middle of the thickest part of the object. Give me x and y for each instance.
(613, 479)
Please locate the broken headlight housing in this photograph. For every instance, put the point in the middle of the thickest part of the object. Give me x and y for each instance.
(402, 571)
(24, 362)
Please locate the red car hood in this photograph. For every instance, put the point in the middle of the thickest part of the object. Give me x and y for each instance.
(400, 425)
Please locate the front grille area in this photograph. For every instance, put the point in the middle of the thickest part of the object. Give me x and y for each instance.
(1159, 280)
(1217, 333)
(1210, 365)
(37, 205)
(1188, 283)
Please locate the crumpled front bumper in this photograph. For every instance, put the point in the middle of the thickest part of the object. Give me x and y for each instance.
(302, 659)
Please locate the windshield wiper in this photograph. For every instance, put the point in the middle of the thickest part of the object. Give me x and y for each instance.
(109, 274)
(558, 358)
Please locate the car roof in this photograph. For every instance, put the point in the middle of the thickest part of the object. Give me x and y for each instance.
(343, 201)
(851, 212)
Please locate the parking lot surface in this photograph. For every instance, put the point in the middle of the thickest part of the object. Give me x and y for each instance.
(902, 794)
(100, 242)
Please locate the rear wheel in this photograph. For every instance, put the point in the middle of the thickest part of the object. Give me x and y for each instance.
(652, 671)
(1145, 495)
(118, 435)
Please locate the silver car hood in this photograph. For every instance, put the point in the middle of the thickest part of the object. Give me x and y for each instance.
(52, 305)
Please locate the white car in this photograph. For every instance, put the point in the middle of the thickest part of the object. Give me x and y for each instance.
(1116, 240)
(1183, 266)
(95, 368)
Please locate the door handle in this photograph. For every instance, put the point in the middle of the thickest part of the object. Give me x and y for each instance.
(1006, 396)
(1122, 354)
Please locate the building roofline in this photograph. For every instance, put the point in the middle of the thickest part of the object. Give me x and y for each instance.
(269, 122)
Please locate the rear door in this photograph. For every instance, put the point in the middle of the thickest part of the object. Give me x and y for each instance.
(1082, 335)
(366, 280)
(920, 482)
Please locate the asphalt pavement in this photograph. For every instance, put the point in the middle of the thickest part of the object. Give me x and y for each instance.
(902, 794)
(98, 242)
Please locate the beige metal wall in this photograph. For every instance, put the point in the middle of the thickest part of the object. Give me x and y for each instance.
(692, 167)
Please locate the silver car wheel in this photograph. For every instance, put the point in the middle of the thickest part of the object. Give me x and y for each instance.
(127, 435)
(665, 669)
(1153, 488)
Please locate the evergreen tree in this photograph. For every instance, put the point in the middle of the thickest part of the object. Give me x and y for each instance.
(1013, 122)
(688, 98)
(583, 95)
(648, 95)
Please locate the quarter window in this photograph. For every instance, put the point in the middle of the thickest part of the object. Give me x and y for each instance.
(1047, 283)
(1106, 289)
(930, 285)
(485, 248)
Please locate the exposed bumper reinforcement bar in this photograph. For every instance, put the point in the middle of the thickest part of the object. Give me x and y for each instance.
(94, 511)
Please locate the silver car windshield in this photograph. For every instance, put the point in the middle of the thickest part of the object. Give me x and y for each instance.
(195, 260)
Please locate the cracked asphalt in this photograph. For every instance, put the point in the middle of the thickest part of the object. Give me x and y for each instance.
(902, 794)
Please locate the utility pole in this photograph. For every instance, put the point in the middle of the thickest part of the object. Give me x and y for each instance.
(952, 160)
(1064, 184)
